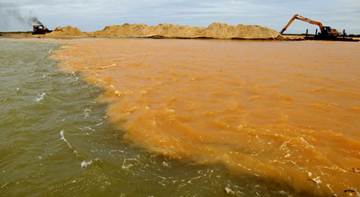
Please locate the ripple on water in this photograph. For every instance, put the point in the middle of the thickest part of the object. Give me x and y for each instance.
(38, 141)
(233, 103)
(40, 97)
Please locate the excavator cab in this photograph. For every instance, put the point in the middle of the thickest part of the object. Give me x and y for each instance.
(328, 33)
(40, 29)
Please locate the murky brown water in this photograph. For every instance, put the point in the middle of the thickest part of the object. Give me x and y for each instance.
(284, 111)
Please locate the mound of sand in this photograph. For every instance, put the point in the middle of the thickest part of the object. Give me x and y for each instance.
(67, 31)
(143, 30)
(225, 31)
(215, 30)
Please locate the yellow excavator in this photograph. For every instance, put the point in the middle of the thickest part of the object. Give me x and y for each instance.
(325, 33)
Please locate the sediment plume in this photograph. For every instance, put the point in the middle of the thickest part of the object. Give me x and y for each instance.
(285, 113)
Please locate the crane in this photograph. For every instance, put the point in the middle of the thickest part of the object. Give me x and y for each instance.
(326, 32)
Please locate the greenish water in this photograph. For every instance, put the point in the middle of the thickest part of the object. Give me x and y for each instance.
(55, 141)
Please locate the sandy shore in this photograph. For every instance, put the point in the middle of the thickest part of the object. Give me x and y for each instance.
(284, 111)
(169, 31)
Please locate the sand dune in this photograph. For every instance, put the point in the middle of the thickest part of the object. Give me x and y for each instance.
(67, 31)
(214, 30)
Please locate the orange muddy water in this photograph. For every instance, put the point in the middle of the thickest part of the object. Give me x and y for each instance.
(284, 111)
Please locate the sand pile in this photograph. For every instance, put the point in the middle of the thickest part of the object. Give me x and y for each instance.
(143, 30)
(173, 31)
(224, 31)
(215, 30)
(67, 31)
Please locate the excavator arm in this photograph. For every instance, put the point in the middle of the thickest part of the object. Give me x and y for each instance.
(299, 17)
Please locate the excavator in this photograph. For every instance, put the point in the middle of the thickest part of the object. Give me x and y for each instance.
(326, 32)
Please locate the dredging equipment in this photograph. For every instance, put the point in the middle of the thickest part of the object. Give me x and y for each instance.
(39, 28)
(326, 32)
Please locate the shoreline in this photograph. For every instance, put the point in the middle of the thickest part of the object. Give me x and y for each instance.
(286, 38)
(27, 35)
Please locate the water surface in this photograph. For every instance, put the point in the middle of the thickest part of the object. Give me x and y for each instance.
(56, 140)
(287, 112)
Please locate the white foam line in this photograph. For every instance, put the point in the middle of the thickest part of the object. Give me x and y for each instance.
(85, 164)
(62, 137)
(41, 97)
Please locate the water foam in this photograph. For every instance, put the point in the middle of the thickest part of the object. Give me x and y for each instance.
(40, 97)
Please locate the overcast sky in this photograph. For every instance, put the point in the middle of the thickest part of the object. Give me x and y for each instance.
(95, 14)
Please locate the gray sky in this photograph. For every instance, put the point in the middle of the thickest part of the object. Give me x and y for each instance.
(95, 14)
